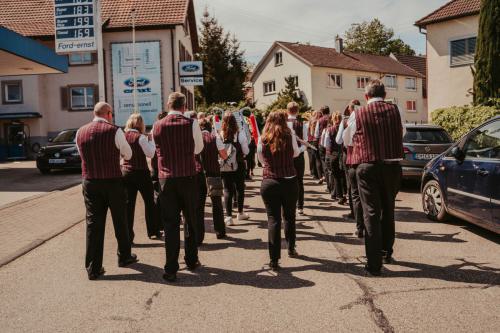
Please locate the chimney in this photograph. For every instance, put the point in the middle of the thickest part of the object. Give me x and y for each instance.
(339, 44)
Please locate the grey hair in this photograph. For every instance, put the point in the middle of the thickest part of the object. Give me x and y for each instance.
(375, 88)
(101, 108)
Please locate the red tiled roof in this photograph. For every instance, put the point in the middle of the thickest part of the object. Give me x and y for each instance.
(451, 10)
(418, 63)
(329, 57)
(35, 18)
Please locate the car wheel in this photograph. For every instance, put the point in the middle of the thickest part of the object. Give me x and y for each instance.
(44, 171)
(433, 201)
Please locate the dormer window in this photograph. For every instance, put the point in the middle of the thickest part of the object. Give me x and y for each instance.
(278, 59)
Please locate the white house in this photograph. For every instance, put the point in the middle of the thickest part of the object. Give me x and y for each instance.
(333, 77)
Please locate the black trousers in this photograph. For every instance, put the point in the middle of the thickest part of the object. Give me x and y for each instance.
(99, 195)
(250, 158)
(357, 208)
(300, 164)
(337, 175)
(201, 183)
(140, 181)
(179, 195)
(234, 186)
(313, 171)
(378, 185)
(280, 199)
(321, 164)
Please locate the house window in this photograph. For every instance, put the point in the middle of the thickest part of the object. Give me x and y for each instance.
(278, 59)
(296, 81)
(335, 81)
(12, 92)
(411, 83)
(462, 51)
(81, 98)
(411, 106)
(391, 81)
(362, 81)
(84, 58)
(269, 87)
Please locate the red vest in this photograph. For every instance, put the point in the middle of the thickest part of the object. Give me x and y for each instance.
(210, 155)
(100, 156)
(332, 134)
(379, 134)
(298, 127)
(174, 141)
(280, 164)
(138, 160)
(323, 123)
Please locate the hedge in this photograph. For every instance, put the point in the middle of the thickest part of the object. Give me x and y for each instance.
(459, 120)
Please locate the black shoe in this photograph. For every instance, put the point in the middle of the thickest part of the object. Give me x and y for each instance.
(292, 253)
(359, 233)
(194, 266)
(95, 276)
(372, 272)
(350, 216)
(387, 260)
(157, 236)
(342, 201)
(274, 265)
(221, 236)
(170, 277)
(130, 260)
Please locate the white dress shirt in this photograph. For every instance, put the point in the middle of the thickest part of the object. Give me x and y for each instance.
(304, 132)
(349, 131)
(242, 139)
(148, 147)
(120, 141)
(296, 150)
(198, 138)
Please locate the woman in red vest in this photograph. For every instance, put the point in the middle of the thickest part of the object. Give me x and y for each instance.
(137, 176)
(279, 189)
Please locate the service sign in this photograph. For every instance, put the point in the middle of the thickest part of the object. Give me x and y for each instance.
(190, 68)
(191, 80)
(149, 99)
(74, 26)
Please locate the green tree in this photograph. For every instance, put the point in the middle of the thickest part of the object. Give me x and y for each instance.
(487, 61)
(375, 38)
(224, 66)
(289, 94)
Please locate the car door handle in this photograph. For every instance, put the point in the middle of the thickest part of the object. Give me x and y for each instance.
(483, 172)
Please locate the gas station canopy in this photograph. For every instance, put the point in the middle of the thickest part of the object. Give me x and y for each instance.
(20, 55)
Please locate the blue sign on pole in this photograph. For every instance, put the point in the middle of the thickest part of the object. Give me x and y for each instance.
(74, 25)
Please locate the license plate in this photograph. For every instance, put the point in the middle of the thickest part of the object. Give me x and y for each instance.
(425, 156)
(57, 160)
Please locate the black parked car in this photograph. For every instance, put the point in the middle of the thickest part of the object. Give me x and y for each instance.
(421, 144)
(60, 153)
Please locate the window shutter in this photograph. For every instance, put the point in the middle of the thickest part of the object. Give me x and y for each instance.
(64, 98)
(94, 58)
(96, 94)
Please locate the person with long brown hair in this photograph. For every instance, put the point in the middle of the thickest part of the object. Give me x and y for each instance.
(233, 167)
(277, 149)
(333, 160)
(314, 161)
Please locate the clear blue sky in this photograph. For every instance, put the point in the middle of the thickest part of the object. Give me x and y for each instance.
(258, 23)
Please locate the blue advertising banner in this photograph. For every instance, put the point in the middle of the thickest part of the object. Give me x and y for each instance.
(149, 87)
(74, 26)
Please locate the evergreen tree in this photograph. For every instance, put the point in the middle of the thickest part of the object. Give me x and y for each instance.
(289, 94)
(487, 62)
(224, 66)
(375, 38)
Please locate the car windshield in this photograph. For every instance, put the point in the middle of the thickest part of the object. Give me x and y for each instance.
(426, 136)
(65, 136)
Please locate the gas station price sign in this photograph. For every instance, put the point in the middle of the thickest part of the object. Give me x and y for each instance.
(74, 25)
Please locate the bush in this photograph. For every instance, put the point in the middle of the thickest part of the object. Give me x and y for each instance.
(459, 120)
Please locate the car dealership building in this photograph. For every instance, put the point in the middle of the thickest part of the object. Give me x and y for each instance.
(40, 106)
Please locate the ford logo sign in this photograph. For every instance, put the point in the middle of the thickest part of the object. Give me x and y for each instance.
(141, 82)
(190, 68)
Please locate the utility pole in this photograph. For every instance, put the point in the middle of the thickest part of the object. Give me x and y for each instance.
(100, 53)
(134, 65)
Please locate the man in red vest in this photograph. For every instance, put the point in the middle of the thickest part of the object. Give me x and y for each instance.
(375, 133)
(101, 144)
(178, 139)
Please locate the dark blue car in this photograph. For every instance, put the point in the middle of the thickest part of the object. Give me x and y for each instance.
(464, 181)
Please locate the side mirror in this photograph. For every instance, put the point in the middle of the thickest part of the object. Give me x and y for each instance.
(457, 153)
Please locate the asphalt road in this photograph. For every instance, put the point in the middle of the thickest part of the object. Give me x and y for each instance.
(445, 279)
(22, 180)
